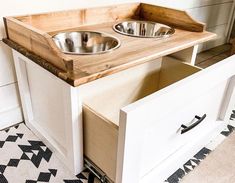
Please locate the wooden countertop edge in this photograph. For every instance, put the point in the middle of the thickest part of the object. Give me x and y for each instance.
(119, 68)
(40, 61)
(80, 78)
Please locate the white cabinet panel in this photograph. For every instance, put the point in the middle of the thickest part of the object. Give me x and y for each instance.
(212, 15)
(7, 70)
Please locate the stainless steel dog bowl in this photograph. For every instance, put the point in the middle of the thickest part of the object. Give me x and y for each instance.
(144, 29)
(85, 42)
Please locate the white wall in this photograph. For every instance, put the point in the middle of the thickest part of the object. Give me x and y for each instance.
(214, 12)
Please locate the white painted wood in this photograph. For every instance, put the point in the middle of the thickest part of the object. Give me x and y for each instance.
(10, 109)
(7, 70)
(9, 97)
(74, 129)
(229, 101)
(50, 111)
(168, 128)
(139, 118)
(10, 117)
(180, 157)
(187, 55)
(53, 110)
(23, 87)
(212, 15)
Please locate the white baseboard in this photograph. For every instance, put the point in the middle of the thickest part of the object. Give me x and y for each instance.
(10, 117)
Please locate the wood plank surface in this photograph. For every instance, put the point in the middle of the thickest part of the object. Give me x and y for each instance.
(133, 51)
(36, 41)
(176, 18)
(34, 34)
(100, 145)
(54, 21)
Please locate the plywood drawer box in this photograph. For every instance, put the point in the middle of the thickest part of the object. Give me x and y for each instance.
(149, 110)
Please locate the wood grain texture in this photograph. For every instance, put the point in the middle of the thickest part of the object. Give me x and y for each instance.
(36, 41)
(34, 33)
(100, 146)
(232, 41)
(37, 59)
(172, 71)
(132, 52)
(55, 21)
(176, 18)
(89, 68)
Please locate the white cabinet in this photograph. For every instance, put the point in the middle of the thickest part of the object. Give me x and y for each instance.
(131, 120)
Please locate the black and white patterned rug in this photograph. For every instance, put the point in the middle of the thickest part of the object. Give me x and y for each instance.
(202, 154)
(26, 159)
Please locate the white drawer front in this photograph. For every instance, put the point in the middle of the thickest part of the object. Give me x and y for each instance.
(203, 91)
(165, 134)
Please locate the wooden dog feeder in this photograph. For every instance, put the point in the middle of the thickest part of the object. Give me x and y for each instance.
(127, 123)
(34, 33)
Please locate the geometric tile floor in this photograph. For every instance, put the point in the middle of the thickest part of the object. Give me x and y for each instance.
(202, 154)
(26, 159)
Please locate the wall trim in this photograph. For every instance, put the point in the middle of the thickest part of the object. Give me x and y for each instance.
(10, 117)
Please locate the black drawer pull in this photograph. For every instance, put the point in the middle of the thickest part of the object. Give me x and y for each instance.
(187, 128)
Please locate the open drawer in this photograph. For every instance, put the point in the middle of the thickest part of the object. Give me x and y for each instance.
(134, 120)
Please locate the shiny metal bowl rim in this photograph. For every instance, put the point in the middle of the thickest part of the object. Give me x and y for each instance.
(151, 22)
(97, 53)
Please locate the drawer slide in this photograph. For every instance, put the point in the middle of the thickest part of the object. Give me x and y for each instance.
(95, 171)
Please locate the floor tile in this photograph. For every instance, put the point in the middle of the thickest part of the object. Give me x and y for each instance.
(24, 158)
